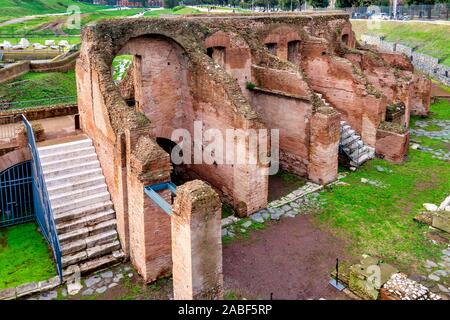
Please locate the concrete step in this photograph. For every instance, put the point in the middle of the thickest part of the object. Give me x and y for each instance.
(103, 238)
(86, 232)
(82, 202)
(57, 148)
(86, 221)
(68, 162)
(66, 179)
(60, 198)
(90, 253)
(82, 184)
(77, 168)
(81, 212)
(66, 154)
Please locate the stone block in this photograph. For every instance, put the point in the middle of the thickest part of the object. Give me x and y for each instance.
(8, 294)
(26, 289)
(49, 284)
(441, 220)
(361, 283)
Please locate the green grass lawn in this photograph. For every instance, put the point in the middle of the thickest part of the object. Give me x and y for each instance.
(19, 8)
(379, 220)
(36, 26)
(36, 86)
(96, 16)
(24, 256)
(431, 39)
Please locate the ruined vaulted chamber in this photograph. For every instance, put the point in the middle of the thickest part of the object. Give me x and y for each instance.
(304, 74)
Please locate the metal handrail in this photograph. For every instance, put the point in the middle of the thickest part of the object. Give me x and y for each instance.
(42, 206)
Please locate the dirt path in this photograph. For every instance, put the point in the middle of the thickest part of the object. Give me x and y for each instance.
(291, 259)
(56, 27)
(436, 90)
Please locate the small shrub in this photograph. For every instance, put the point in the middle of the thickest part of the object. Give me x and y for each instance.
(250, 85)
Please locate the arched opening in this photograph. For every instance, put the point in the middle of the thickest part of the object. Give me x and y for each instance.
(217, 54)
(344, 39)
(294, 51)
(272, 47)
(178, 175)
(16, 194)
(122, 75)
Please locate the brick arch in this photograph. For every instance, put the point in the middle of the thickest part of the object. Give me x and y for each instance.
(14, 157)
(347, 36)
(208, 94)
(233, 53)
(283, 37)
(163, 80)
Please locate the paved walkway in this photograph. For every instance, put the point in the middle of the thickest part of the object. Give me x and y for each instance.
(53, 127)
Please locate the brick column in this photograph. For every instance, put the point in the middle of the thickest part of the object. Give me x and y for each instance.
(150, 247)
(324, 146)
(197, 243)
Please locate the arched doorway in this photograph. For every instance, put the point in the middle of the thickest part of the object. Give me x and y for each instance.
(178, 175)
(16, 194)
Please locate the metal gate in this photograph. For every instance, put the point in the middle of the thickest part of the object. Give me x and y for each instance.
(16, 194)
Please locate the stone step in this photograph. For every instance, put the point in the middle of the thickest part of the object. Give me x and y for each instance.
(354, 144)
(90, 253)
(65, 154)
(85, 232)
(98, 239)
(347, 134)
(65, 179)
(361, 160)
(97, 263)
(357, 154)
(345, 127)
(85, 221)
(60, 198)
(77, 168)
(349, 140)
(82, 202)
(57, 148)
(68, 187)
(82, 212)
(62, 164)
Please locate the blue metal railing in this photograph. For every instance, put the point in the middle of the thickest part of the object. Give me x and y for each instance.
(151, 192)
(41, 200)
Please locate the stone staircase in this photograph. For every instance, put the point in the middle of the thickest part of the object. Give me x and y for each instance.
(351, 143)
(84, 215)
(353, 146)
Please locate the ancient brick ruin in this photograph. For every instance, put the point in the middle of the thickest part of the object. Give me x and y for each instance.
(300, 73)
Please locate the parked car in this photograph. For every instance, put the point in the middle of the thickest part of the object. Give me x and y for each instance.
(379, 16)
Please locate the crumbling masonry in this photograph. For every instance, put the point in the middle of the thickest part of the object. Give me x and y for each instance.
(299, 73)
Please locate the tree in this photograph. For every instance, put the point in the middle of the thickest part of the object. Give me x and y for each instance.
(318, 3)
(170, 3)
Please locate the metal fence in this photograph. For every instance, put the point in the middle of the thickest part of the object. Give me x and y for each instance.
(37, 102)
(41, 200)
(16, 195)
(403, 12)
(8, 127)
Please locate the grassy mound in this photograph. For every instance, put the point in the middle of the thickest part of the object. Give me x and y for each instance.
(429, 38)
